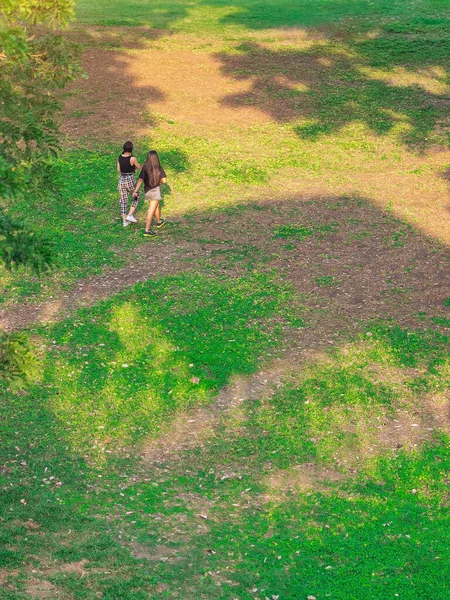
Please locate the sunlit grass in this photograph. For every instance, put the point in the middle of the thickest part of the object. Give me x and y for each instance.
(124, 369)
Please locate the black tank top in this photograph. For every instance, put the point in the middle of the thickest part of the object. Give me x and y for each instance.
(125, 165)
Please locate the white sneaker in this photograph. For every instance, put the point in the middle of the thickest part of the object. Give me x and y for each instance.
(125, 223)
(131, 219)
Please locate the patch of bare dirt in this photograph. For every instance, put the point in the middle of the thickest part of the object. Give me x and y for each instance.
(303, 478)
(130, 79)
(87, 292)
(41, 588)
(78, 567)
(6, 574)
(194, 428)
(155, 554)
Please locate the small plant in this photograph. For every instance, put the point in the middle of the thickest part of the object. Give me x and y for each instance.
(442, 321)
(326, 280)
(80, 114)
(18, 363)
(296, 231)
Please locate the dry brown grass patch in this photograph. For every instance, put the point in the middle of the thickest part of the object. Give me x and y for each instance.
(302, 479)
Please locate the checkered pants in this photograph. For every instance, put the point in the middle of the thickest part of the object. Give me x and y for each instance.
(127, 185)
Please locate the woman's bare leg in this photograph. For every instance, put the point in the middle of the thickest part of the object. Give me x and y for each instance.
(151, 212)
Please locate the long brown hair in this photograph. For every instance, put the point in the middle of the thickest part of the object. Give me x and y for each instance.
(152, 168)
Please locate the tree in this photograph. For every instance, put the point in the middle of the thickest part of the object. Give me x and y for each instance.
(35, 61)
(20, 246)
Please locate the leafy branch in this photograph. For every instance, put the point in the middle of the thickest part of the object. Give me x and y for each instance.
(34, 63)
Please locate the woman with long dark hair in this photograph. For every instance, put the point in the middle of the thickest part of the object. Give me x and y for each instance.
(152, 175)
(126, 166)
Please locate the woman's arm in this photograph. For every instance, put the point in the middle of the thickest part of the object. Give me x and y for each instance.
(138, 185)
(135, 163)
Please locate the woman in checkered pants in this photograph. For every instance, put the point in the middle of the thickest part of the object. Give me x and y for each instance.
(126, 166)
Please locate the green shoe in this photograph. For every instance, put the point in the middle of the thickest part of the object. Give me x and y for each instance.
(160, 224)
(149, 233)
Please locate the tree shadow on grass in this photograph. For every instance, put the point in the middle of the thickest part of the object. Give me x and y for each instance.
(131, 364)
(288, 547)
(111, 102)
(390, 85)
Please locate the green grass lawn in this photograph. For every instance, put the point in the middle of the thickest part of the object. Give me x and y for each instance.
(299, 492)
(332, 480)
(250, 14)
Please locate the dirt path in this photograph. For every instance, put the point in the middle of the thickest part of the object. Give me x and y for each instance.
(355, 264)
(87, 292)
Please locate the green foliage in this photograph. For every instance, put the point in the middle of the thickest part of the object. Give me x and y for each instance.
(296, 231)
(33, 64)
(20, 246)
(326, 281)
(443, 321)
(300, 232)
(18, 362)
(38, 12)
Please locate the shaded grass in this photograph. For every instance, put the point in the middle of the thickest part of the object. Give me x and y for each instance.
(182, 338)
(381, 533)
(327, 87)
(367, 538)
(333, 413)
(393, 81)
